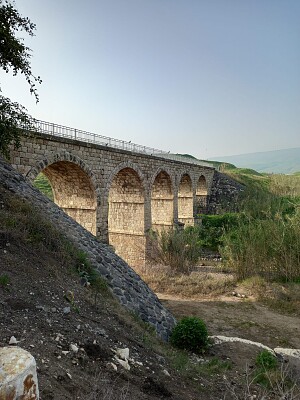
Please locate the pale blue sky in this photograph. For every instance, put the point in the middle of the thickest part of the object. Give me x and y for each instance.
(205, 77)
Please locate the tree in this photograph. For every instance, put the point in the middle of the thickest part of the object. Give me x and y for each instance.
(15, 57)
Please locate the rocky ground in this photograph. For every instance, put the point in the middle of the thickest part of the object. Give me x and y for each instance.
(78, 337)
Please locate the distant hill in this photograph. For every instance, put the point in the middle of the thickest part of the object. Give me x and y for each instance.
(279, 161)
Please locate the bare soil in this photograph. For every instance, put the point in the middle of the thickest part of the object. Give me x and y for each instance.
(245, 318)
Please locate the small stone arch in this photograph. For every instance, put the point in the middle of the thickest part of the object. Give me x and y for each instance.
(162, 200)
(123, 165)
(126, 214)
(185, 199)
(74, 186)
(201, 195)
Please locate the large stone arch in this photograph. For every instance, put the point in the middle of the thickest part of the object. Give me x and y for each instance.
(162, 200)
(74, 186)
(185, 199)
(126, 214)
(201, 195)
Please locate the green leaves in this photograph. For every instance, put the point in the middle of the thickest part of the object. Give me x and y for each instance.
(190, 334)
(15, 56)
(13, 119)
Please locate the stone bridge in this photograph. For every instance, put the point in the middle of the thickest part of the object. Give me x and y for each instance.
(117, 190)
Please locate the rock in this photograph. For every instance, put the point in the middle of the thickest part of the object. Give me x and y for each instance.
(17, 374)
(113, 365)
(292, 356)
(166, 372)
(74, 348)
(69, 296)
(224, 339)
(123, 353)
(124, 364)
(67, 310)
(13, 341)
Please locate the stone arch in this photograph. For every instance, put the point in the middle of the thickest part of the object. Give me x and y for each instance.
(185, 200)
(201, 195)
(73, 185)
(162, 200)
(123, 165)
(126, 215)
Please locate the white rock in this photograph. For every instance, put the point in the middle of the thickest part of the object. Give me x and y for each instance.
(224, 339)
(74, 348)
(123, 353)
(124, 364)
(17, 374)
(287, 352)
(65, 352)
(69, 375)
(113, 365)
(166, 372)
(13, 340)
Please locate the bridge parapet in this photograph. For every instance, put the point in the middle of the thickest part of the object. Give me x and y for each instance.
(78, 134)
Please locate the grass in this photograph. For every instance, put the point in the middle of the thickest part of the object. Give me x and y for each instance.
(189, 367)
(42, 183)
(161, 279)
(25, 224)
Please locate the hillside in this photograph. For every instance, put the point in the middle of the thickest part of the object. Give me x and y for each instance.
(285, 161)
(47, 306)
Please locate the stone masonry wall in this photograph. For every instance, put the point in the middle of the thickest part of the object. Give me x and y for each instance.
(126, 285)
(224, 194)
(83, 178)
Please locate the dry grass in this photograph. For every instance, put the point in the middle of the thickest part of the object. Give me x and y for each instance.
(198, 283)
(281, 297)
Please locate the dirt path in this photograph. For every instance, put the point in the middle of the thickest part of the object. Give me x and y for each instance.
(236, 317)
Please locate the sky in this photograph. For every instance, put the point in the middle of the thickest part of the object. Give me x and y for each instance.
(203, 77)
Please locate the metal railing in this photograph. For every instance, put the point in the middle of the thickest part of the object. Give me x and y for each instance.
(71, 133)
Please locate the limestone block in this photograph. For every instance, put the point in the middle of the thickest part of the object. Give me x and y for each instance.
(18, 378)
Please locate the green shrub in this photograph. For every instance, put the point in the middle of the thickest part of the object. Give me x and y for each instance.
(267, 247)
(190, 334)
(266, 361)
(213, 227)
(266, 369)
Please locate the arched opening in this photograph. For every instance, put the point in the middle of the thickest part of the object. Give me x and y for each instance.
(185, 201)
(43, 184)
(74, 192)
(201, 196)
(162, 199)
(126, 230)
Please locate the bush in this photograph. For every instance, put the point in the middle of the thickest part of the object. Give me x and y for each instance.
(266, 361)
(190, 334)
(179, 249)
(268, 247)
(213, 227)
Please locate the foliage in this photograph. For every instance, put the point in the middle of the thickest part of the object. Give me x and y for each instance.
(32, 228)
(15, 56)
(180, 249)
(42, 183)
(266, 244)
(213, 227)
(266, 370)
(13, 117)
(190, 334)
(266, 360)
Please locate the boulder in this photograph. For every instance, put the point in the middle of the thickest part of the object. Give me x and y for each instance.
(18, 378)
